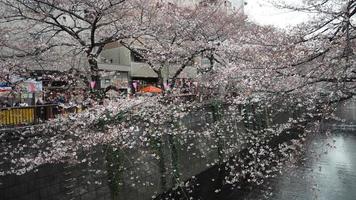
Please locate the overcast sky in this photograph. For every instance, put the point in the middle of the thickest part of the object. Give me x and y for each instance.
(262, 12)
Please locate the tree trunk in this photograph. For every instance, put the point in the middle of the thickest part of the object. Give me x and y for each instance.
(160, 80)
(175, 77)
(94, 71)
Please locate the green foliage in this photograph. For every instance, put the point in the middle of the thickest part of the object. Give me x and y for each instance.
(107, 118)
(98, 94)
(115, 170)
(216, 106)
(174, 154)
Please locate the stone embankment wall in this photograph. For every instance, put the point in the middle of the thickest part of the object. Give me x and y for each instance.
(136, 174)
(132, 175)
(57, 182)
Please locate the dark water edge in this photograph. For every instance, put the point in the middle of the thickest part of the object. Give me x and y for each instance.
(327, 171)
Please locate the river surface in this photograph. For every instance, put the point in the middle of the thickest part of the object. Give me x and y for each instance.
(326, 169)
(328, 172)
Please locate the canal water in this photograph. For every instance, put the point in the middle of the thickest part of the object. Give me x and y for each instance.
(325, 170)
(328, 171)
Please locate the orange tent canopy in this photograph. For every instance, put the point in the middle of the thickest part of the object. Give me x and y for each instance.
(151, 89)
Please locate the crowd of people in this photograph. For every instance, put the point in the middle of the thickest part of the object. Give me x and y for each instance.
(58, 103)
(49, 105)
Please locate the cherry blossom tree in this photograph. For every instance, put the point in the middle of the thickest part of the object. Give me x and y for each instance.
(269, 91)
(314, 60)
(186, 35)
(84, 25)
(327, 42)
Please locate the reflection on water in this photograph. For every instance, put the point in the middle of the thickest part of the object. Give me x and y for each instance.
(347, 111)
(329, 172)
